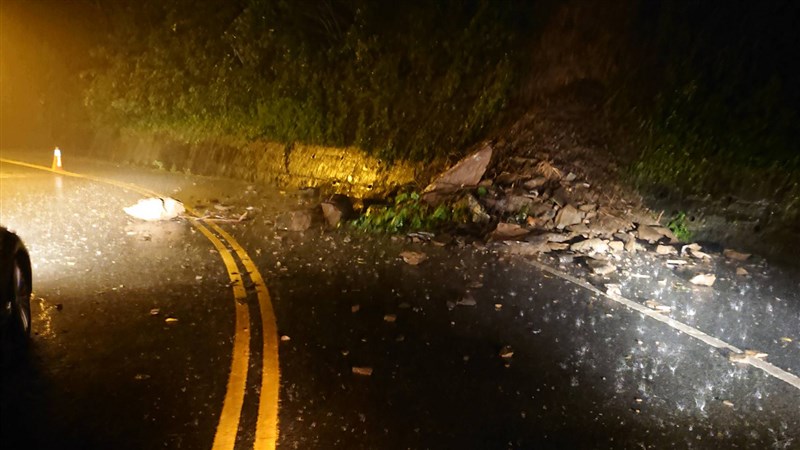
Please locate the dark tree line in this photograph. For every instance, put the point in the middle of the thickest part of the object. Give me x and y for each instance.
(399, 79)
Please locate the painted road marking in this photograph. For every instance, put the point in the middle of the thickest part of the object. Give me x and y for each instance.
(768, 368)
(267, 422)
(225, 437)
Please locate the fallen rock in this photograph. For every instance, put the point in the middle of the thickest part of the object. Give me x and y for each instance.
(561, 197)
(294, 221)
(613, 290)
(580, 229)
(466, 173)
(593, 245)
(567, 216)
(666, 250)
(467, 300)
(616, 246)
(413, 258)
(549, 237)
(734, 255)
(390, 318)
(741, 272)
(602, 268)
(526, 248)
(704, 279)
(695, 251)
(337, 209)
(508, 231)
(506, 352)
(535, 183)
(607, 225)
(364, 371)
(649, 233)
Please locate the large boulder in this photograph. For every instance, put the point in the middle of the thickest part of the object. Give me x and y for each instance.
(465, 174)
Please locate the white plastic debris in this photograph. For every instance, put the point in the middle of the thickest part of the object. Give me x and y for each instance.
(156, 208)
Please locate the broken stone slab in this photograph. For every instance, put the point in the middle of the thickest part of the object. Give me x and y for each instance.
(508, 231)
(616, 246)
(466, 173)
(549, 237)
(666, 250)
(294, 221)
(337, 209)
(561, 197)
(567, 216)
(607, 225)
(613, 290)
(741, 272)
(703, 279)
(526, 248)
(629, 241)
(734, 255)
(694, 250)
(593, 245)
(413, 258)
(580, 229)
(642, 217)
(600, 267)
(535, 183)
(515, 203)
(649, 233)
(467, 300)
(363, 371)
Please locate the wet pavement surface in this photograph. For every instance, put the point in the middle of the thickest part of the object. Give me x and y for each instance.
(472, 348)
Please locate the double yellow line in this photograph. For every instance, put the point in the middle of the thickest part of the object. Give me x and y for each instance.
(266, 435)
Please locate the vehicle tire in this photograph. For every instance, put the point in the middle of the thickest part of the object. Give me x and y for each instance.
(20, 326)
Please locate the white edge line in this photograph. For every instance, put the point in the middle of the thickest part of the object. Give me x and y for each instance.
(768, 368)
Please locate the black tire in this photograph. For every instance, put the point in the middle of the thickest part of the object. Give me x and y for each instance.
(20, 326)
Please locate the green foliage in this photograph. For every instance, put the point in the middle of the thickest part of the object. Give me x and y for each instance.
(679, 228)
(407, 213)
(397, 79)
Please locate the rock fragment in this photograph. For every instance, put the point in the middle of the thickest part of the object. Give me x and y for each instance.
(413, 258)
(294, 221)
(666, 250)
(734, 255)
(567, 216)
(703, 279)
(602, 268)
(467, 300)
(336, 210)
(508, 231)
(466, 173)
(363, 371)
(593, 245)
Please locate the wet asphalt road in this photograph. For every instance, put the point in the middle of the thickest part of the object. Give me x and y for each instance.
(103, 372)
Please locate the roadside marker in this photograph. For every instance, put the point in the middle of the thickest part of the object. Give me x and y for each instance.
(57, 160)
